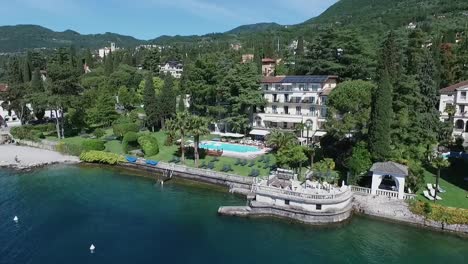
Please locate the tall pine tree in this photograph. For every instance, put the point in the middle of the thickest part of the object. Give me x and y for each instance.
(381, 119)
(150, 103)
(167, 99)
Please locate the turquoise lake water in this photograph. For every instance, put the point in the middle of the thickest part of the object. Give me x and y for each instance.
(63, 209)
(211, 145)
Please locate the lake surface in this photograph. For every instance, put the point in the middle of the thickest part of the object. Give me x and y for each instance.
(63, 209)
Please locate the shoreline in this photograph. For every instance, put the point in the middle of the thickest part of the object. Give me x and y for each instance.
(19, 157)
(238, 185)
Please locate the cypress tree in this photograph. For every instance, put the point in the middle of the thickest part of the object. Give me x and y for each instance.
(108, 64)
(26, 70)
(390, 59)
(150, 103)
(429, 96)
(167, 99)
(89, 59)
(381, 119)
(181, 104)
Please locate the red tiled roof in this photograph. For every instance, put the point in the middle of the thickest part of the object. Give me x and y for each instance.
(3, 87)
(268, 60)
(453, 88)
(272, 79)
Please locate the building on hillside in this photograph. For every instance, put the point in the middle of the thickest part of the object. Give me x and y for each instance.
(268, 67)
(456, 96)
(236, 46)
(6, 117)
(411, 26)
(175, 68)
(292, 101)
(247, 58)
(106, 50)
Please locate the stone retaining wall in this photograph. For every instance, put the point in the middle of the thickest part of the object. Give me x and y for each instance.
(264, 210)
(208, 176)
(41, 145)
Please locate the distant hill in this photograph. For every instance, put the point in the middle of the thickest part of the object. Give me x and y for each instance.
(370, 18)
(253, 28)
(21, 37)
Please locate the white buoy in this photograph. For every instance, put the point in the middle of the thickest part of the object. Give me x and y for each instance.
(162, 182)
(92, 248)
(15, 219)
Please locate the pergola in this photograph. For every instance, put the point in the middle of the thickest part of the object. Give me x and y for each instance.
(397, 171)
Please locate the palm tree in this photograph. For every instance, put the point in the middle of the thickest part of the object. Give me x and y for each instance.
(181, 125)
(198, 127)
(279, 139)
(439, 163)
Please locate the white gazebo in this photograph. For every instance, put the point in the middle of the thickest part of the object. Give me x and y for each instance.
(394, 170)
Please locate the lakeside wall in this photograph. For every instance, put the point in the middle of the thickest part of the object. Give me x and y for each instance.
(224, 179)
(244, 185)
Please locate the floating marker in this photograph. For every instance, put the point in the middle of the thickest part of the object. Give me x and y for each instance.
(92, 248)
(15, 219)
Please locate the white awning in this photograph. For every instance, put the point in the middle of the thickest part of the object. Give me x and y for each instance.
(232, 135)
(320, 133)
(257, 132)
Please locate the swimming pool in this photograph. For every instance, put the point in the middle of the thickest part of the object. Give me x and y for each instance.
(211, 145)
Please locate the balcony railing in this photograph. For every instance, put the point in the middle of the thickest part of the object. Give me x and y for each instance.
(272, 191)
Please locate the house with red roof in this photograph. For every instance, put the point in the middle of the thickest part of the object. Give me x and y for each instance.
(455, 98)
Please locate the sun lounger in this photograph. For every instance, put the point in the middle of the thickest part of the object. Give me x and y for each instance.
(429, 187)
(426, 194)
(432, 193)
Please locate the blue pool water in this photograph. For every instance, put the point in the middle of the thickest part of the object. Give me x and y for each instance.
(211, 145)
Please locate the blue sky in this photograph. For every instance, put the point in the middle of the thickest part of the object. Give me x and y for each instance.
(146, 19)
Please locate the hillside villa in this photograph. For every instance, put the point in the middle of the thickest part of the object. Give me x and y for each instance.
(174, 68)
(292, 101)
(456, 95)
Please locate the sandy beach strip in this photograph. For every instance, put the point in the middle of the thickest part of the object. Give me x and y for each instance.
(28, 157)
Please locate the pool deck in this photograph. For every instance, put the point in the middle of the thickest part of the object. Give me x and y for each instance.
(243, 155)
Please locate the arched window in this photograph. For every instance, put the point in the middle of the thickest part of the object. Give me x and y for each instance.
(459, 124)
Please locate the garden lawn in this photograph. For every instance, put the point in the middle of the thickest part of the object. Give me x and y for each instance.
(455, 196)
(166, 153)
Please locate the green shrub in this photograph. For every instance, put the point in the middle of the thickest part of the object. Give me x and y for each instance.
(149, 144)
(93, 144)
(25, 132)
(121, 129)
(94, 156)
(45, 128)
(129, 139)
(70, 149)
(440, 213)
(99, 132)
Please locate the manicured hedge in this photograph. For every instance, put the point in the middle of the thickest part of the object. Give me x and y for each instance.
(94, 156)
(93, 144)
(129, 139)
(149, 145)
(70, 149)
(121, 129)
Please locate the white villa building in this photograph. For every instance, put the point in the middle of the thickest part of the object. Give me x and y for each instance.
(106, 50)
(175, 68)
(294, 100)
(456, 95)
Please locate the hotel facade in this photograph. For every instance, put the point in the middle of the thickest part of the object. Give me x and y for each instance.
(456, 96)
(293, 101)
